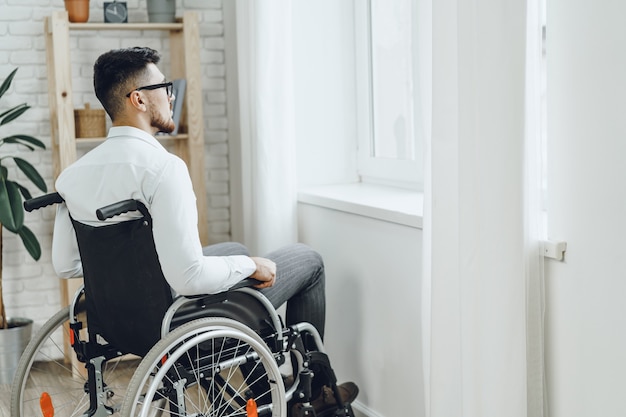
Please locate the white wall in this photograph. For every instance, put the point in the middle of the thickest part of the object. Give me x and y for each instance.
(373, 289)
(586, 312)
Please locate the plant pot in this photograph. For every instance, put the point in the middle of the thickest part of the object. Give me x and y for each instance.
(77, 10)
(162, 11)
(13, 341)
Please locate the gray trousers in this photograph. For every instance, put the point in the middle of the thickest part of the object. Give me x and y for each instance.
(300, 281)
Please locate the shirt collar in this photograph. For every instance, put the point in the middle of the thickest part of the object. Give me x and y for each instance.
(134, 133)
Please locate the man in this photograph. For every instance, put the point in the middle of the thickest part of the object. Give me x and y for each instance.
(131, 163)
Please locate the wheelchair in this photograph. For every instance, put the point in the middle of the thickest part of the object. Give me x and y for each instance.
(135, 350)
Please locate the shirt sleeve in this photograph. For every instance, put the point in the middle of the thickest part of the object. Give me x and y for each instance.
(65, 254)
(175, 229)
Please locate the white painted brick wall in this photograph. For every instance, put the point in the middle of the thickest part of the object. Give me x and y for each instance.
(31, 288)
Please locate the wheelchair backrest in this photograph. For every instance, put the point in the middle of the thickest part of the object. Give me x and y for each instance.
(126, 291)
(127, 298)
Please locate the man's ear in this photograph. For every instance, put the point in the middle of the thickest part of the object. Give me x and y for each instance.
(136, 101)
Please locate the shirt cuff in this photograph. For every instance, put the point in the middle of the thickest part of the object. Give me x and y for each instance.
(246, 265)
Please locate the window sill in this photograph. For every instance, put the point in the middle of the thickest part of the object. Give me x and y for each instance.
(389, 204)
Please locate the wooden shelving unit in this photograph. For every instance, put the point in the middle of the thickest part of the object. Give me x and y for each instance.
(184, 48)
(185, 63)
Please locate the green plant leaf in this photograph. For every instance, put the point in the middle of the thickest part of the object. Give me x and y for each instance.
(24, 140)
(25, 193)
(13, 141)
(13, 113)
(4, 113)
(31, 173)
(11, 210)
(30, 242)
(7, 82)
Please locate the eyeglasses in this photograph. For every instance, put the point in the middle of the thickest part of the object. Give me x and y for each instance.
(168, 87)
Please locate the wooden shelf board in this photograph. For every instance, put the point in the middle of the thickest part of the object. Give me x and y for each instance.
(126, 26)
(160, 138)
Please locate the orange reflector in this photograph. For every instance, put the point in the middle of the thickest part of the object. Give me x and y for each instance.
(163, 359)
(251, 408)
(71, 337)
(45, 402)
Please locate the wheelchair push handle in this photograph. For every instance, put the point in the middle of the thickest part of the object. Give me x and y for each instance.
(102, 213)
(116, 209)
(42, 201)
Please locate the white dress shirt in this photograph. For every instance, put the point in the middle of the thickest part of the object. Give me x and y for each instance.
(133, 164)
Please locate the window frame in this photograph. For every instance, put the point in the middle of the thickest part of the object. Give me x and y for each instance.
(370, 169)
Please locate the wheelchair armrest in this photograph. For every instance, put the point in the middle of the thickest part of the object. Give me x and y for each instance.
(246, 282)
(189, 307)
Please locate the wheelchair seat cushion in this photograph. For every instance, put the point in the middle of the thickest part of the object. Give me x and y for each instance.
(126, 292)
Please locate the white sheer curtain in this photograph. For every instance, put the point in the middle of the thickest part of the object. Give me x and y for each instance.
(483, 268)
(264, 45)
(534, 225)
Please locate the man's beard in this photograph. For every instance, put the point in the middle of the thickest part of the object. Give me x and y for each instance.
(159, 122)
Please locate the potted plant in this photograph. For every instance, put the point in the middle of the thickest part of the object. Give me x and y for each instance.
(15, 333)
(77, 10)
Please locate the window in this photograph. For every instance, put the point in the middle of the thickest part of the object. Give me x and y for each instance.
(389, 100)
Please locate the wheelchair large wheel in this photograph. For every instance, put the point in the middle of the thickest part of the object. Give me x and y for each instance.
(46, 379)
(208, 367)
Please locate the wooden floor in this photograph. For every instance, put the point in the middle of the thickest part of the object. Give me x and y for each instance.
(67, 387)
(49, 376)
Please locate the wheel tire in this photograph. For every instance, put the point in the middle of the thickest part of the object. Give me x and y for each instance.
(196, 365)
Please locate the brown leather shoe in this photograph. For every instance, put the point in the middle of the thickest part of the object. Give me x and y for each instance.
(326, 400)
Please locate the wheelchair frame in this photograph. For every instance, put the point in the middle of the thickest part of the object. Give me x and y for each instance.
(210, 365)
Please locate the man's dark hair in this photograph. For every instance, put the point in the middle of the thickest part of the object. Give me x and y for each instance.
(118, 72)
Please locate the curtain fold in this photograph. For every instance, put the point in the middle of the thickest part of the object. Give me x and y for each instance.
(264, 45)
(535, 225)
(483, 268)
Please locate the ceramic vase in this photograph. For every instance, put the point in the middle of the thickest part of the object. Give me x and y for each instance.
(162, 11)
(13, 341)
